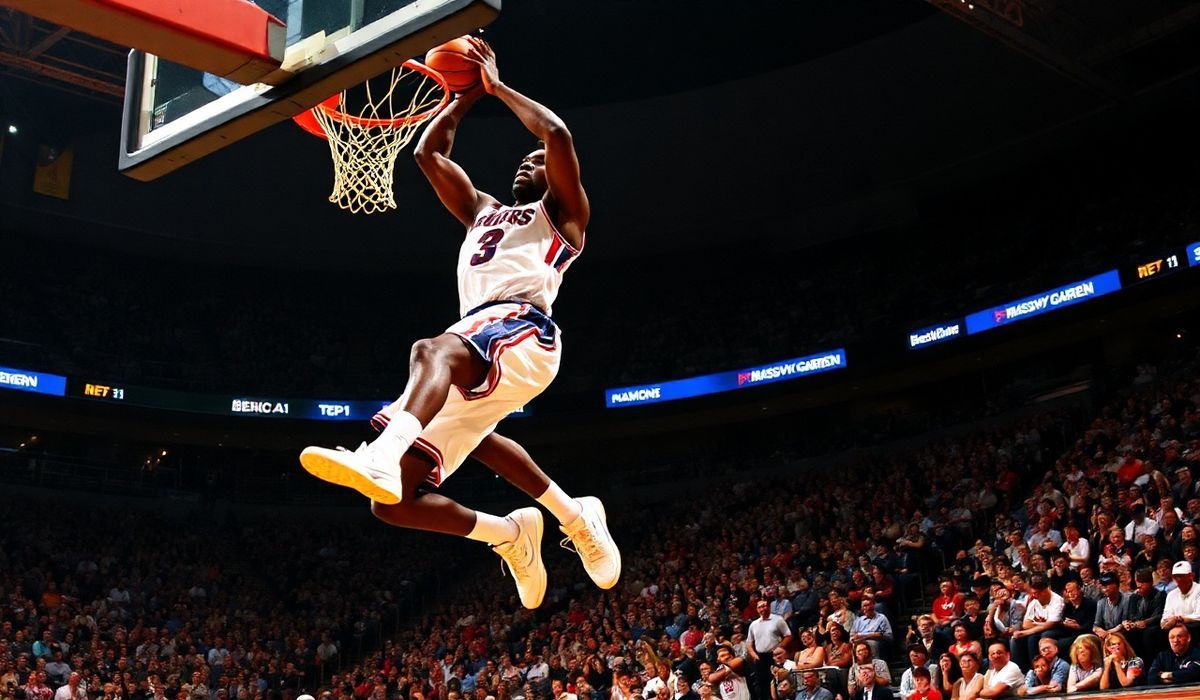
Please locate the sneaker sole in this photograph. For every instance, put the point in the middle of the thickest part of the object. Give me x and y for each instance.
(617, 557)
(320, 462)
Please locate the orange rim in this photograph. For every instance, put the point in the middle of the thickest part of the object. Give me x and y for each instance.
(308, 120)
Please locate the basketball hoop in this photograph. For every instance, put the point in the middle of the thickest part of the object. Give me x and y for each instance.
(365, 145)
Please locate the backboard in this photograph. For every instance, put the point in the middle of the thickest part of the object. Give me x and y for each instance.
(175, 115)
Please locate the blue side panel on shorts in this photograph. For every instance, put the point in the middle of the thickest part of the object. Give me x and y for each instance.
(489, 336)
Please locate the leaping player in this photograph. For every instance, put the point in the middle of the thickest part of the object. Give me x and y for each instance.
(502, 353)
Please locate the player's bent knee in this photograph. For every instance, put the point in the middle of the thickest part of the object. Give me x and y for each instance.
(395, 514)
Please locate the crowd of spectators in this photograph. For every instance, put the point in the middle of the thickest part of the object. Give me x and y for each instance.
(131, 603)
(833, 566)
(775, 587)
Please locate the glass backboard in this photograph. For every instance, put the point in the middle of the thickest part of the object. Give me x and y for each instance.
(175, 114)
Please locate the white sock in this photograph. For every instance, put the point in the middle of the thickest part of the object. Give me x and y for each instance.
(398, 436)
(560, 505)
(492, 529)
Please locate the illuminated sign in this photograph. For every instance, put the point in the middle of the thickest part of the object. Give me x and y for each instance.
(934, 335)
(1061, 297)
(1193, 254)
(104, 391)
(36, 382)
(259, 408)
(725, 381)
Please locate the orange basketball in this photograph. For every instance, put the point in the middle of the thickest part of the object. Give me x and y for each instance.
(450, 59)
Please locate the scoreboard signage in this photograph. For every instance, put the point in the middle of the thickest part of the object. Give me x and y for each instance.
(783, 370)
(1044, 302)
(935, 334)
(34, 382)
(241, 405)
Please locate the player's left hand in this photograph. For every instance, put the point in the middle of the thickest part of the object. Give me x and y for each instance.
(485, 58)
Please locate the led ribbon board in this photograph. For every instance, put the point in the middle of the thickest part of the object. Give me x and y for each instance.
(36, 382)
(783, 370)
(1044, 302)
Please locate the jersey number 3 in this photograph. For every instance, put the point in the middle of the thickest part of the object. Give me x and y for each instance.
(487, 246)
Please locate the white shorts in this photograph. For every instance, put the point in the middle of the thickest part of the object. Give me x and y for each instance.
(523, 347)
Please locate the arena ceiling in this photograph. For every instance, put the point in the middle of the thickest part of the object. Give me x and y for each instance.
(829, 115)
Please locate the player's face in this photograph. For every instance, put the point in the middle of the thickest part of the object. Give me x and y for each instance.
(530, 181)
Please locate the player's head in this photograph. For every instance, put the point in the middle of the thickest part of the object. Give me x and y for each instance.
(530, 182)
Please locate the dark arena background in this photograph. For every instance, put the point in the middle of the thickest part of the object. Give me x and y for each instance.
(889, 301)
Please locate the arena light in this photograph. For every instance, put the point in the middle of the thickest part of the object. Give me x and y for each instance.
(12, 129)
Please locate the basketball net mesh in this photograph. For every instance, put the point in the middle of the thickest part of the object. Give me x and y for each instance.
(365, 145)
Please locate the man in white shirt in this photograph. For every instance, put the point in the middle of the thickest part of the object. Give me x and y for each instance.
(73, 690)
(1043, 617)
(1183, 603)
(1004, 678)
(766, 633)
(1140, 525)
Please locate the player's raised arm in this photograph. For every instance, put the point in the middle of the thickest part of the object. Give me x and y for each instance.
(449, 180)
(566, 199)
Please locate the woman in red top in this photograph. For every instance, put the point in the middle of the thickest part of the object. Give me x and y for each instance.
(963, 642)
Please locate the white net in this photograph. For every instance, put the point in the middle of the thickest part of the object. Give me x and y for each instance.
(364, 143)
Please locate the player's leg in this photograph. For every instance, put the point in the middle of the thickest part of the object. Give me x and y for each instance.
(582, 520)
(435, 365)
(517, 537)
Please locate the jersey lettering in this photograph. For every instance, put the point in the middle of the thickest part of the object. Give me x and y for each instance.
(520, 217)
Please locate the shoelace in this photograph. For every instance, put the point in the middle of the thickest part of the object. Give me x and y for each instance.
(587, 540)
(518, 572)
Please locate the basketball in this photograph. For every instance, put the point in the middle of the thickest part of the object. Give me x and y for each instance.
(450, 59)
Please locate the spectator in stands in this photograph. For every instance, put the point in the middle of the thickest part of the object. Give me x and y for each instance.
(1079, 614)
(804, 603)
(1112, 610)
(1003, 678)
(1004, 615)
(948, 673)
(1086, 664)
(839, 652)
(812, 689)
(969, 684)
(840, 611)
(923, 686)
(1140, 526)
(74, 689)
(1180, 663)
(962, 640)
(871, 627)
(766, 633)
(1059, 669)
(1183, 603)
(1076, 548)
(927, 635)
(1038, 681)
(947, 607)
(863, 658)
(918, 659)
(1117, 554)
(1043, 617)
(1145, 613)
(870, 686)
(1122, 667)
(812, 655)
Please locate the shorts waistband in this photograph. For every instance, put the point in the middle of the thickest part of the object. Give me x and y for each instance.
(498, 302)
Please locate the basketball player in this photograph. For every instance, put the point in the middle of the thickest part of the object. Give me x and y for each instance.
(502, 353)
(730, 675)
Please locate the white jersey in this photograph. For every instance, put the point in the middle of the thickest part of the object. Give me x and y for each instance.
(734, 687)
(512, 253)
